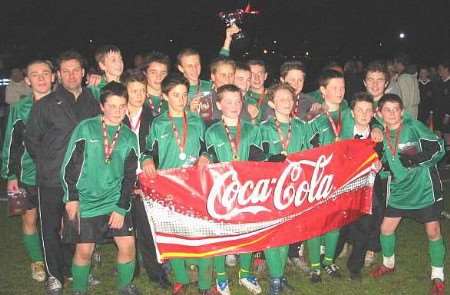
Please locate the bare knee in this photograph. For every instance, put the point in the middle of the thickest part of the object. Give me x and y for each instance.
(433, 230)
(83, 253)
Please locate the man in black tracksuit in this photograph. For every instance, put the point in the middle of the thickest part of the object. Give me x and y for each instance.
(48, 131)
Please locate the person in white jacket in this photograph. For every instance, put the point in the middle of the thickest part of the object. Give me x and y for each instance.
(408, 84)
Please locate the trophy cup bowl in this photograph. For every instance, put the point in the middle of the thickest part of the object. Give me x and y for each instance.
(231, 18)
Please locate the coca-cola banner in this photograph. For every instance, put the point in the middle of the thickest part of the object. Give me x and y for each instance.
(250, 206)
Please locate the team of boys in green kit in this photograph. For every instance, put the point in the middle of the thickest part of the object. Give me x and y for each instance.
(250, 123)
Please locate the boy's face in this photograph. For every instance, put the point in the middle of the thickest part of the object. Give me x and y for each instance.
(296, 79)
(375, 83)
(40, 78)
(334, 91)
(230, 105)
(424, 74)
(443, 72)
(114, 109)
(137, 93)
(156, 72)
(71, 74)
(363, 113)
(259, 75)
(242, 80)
(224, 75)
(112, 64)
(177, 98)
(392, 113)
(190, 67)
(283, 101)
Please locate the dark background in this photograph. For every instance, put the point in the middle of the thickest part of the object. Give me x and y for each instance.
(326, 29)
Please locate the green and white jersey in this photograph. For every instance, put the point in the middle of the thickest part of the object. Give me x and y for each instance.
(419, 186)
(202, 86)
(16, 162)
(300, 139)
(260, 101)
(101, 187)
(219, 146)
(97, 89)
(161, 141)
(157, 104)
(322, 125)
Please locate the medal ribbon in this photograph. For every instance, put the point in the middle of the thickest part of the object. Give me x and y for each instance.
(394, 148)
(284, 140)
(136, 126)
(234, 142)
(336, 126)
(181, 141)
(152, 105)
(107, 147)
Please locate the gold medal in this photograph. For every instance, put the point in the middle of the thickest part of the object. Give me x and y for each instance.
(235, 157)
(337, 139)
(284, 153)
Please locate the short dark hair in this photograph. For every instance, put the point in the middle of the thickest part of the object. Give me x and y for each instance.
(390, 97)
(69, 55)
(376, 66)
(445, 63)
(327, 75)
(361, 96)
(158, 57)
(242, 66)
(186, 52)
(221, 61)
(172, 80)
(113, 88)
(40, 61)
(134, 75)
(227, 88)
(101, 52)
(402, 58)
(257, 62)
(279, 86)
(291, 65)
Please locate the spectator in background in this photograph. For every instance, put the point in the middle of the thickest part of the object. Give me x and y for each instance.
(353, 79)
(426, 94)
(407, 82)
(393, 87)
(17, 87)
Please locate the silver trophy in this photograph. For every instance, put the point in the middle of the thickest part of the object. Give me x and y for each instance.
(237, 17)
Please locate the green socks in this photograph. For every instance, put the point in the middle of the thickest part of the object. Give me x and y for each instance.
(32, 245)
(80, 275)
(387, 244)
(125, 273)
(436, 250)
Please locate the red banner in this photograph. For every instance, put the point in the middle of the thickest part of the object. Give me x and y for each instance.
(251, 206)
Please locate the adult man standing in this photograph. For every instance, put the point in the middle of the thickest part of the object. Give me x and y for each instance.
(47, 134)
(408, 84)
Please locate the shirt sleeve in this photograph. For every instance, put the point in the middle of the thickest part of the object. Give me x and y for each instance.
(128, 183)
(35, 129)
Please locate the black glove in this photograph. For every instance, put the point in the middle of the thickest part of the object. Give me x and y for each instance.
(277, 158)
(410, 160)
(379, 149)
(315, 141)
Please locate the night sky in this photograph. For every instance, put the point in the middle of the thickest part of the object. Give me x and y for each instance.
(326, 29)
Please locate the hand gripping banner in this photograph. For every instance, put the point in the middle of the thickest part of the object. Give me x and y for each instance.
(245, 206)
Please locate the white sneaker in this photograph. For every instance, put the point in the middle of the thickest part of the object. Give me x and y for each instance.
(346, 250)
(38, 271)
(370, 258)
(251, 284)
(230, 260)
(222, 287)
